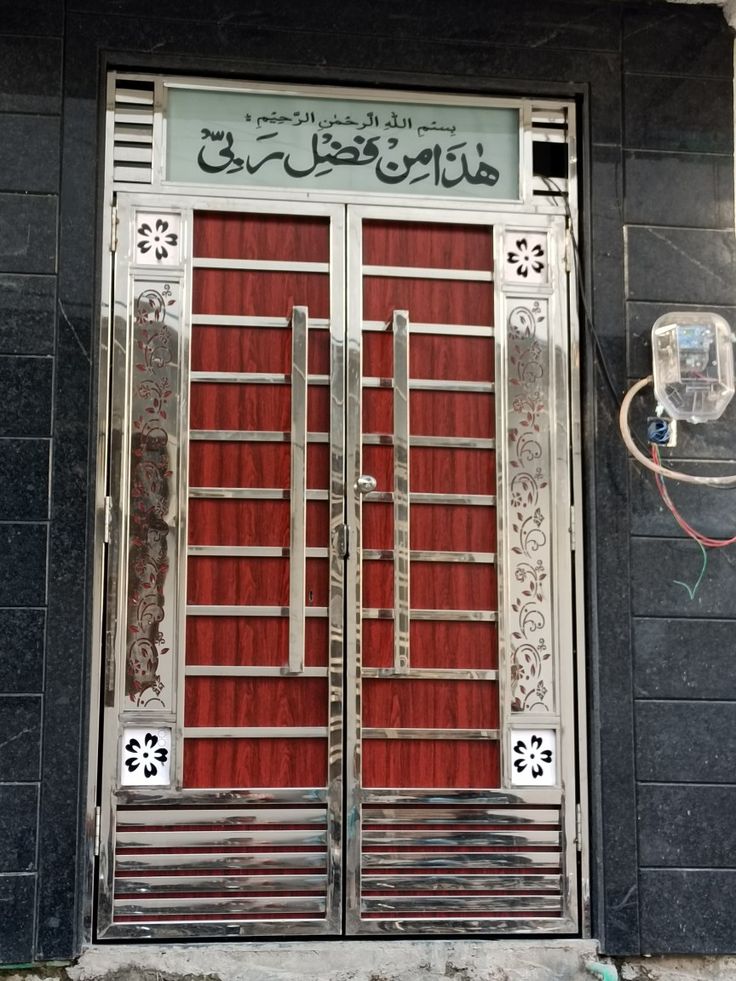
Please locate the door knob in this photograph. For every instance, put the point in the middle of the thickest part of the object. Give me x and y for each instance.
(365, 484)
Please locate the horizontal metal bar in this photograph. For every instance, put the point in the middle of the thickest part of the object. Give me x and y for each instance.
(140, 153)
(142, 97)
(251, 436)
(429, 272)
(482, 616)
(423, 555)
(415, 733)
(423, 838)
(211, 906)
(485, 904)
(448, 330)
(138, 132)
(461, 860)
(222, 838)
(253, 493)
(430, 384)
(450, 883)
(260, 265)
(450, 442)
(250, 671)
(221, 860)
(462, 500)
(162, 884)
(250, 378)
(204, 610)
(252, 551)
(130, 114)
(461, 815)
(218, 816)
(436, 674)
(229, 320)
(254, 732)
(446, 797)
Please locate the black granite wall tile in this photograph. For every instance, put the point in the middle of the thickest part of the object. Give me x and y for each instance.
(640, 318)
(560, 25)
(681, 265)
(27, 233)
(690, 41)
(711, 511)
(22, 564)
(685, 741)
(30, 74)
(18, 819)
(26, 387)
(37, 17)
(20, 738)
(686, 825)
(24, 489)
(681, 658)
(21, 650)
(687, 189)
(663, 112)
(688, 910)
(17, 901)
(665, 571)
(29, 153)
(27, 314)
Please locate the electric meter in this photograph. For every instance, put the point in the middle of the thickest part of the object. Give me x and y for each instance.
(693, 365)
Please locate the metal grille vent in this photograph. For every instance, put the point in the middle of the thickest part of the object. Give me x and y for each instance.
(219, 864)
(133, 132)
(550, 151)
(478, 862)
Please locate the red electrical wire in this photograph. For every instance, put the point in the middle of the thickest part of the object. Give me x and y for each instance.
(687, 528)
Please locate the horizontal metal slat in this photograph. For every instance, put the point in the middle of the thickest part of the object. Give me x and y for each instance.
(158, 817)
(221, 860)
(251, 436)
(204, 610)
(424, 555)
(481, 616)
(259, 265)
(461, 860)
(252, 551)
(433, 442)
(423, 883)
(438, 734)
(250, 378)
(234, 839)
(133, 115)
(239, 320)
(210, 906)
(449, 330)
(131, 95)
(162, 884)
(416, 904)
(131, 174)
(253, 493)
(461, 815)
(250, 671)
(432, 385)
(435, 674)
(461, 500)
(133, 154)
(255, 732)
(423, 838)
(429, 272)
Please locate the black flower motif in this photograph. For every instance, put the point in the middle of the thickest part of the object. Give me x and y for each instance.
(147, 755)
(526, 258)
(156, 238)
(532, 756)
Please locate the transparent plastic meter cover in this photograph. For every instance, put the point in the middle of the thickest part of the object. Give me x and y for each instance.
(693, 365)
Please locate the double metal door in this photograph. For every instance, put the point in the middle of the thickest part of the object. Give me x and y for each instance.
(339, 692)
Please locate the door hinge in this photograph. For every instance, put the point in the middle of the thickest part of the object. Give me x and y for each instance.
(113, 228)
(107, 520)
(579, 827)
(572, 528)
(98, 824)
(342, 541)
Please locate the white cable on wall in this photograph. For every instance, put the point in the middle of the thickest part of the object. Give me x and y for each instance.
(728, 480)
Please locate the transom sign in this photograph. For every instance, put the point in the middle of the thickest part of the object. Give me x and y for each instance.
(339, 685)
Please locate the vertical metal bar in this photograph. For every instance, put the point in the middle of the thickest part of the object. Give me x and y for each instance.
(297, 538)
(333, 898)
(401, 490)
(354, 455)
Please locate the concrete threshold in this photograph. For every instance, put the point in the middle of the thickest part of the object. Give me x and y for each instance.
(365, 960)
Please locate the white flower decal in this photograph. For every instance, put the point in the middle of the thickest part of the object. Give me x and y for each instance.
(527, 258)
(148, 755)
(156, 238)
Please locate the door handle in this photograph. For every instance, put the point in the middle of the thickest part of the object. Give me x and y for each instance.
(365, 484)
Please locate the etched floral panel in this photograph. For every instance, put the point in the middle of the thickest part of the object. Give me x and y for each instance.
(145, 757)
(152, 503)
(533, 757)
(157, 238)
(526, 258)
(528, 510)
